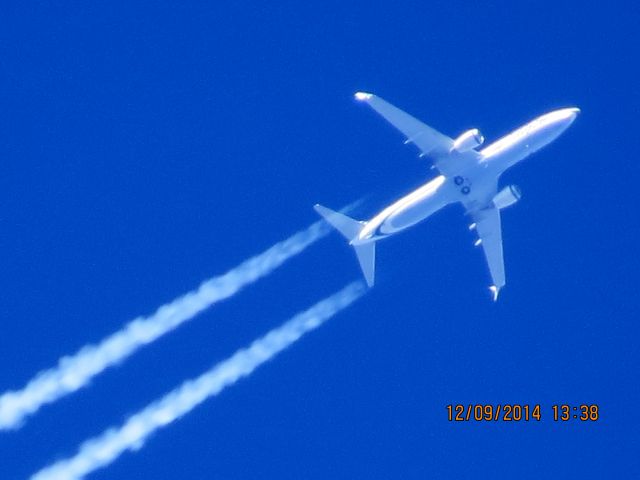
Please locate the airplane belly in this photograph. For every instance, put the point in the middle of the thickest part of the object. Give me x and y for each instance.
(415, 208)
(409, 216)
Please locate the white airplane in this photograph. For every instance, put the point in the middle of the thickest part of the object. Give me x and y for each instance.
(467, 175)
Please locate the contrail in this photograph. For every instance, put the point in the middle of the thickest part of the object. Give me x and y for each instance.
(102, 450)
(75, 372)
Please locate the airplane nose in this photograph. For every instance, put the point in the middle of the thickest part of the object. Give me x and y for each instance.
(563, 117)
(573, 112)
(552, 124)
(567, 114)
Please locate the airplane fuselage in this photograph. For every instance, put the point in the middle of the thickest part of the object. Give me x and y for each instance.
(471, 185)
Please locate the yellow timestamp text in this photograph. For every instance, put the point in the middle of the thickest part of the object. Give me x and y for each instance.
(515, 412)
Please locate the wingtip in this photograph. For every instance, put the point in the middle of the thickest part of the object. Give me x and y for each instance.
(362, 96)
(494, 292)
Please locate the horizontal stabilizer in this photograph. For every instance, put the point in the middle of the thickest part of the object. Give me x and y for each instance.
(350, 229)
(366, 253)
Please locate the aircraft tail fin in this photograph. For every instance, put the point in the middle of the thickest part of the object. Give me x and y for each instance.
(350, 229)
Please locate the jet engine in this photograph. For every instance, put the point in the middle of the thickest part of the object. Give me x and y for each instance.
(507, 196)
(468, 140)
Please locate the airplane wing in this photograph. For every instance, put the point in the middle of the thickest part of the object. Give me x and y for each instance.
(489, 231)
(431, 143)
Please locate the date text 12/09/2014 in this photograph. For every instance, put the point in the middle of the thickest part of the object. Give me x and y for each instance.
(515, 412)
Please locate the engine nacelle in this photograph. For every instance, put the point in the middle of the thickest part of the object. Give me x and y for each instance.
(468, 140)
(507, 196)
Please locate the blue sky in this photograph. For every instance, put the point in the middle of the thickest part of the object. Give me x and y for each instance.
(148, 146)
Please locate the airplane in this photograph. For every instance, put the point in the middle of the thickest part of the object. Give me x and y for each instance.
(467, 175)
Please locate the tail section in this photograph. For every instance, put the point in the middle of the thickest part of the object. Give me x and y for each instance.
(367, 257)
(350, 229)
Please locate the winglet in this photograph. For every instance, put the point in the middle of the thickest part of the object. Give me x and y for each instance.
(363, 96)
(494, 291)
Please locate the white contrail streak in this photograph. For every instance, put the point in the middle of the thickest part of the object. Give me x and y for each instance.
(102, 450)
(76, 371)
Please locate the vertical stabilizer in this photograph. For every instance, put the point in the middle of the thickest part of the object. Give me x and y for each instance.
(350, 229)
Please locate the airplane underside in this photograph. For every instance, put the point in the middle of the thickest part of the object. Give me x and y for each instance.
(467, 176)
